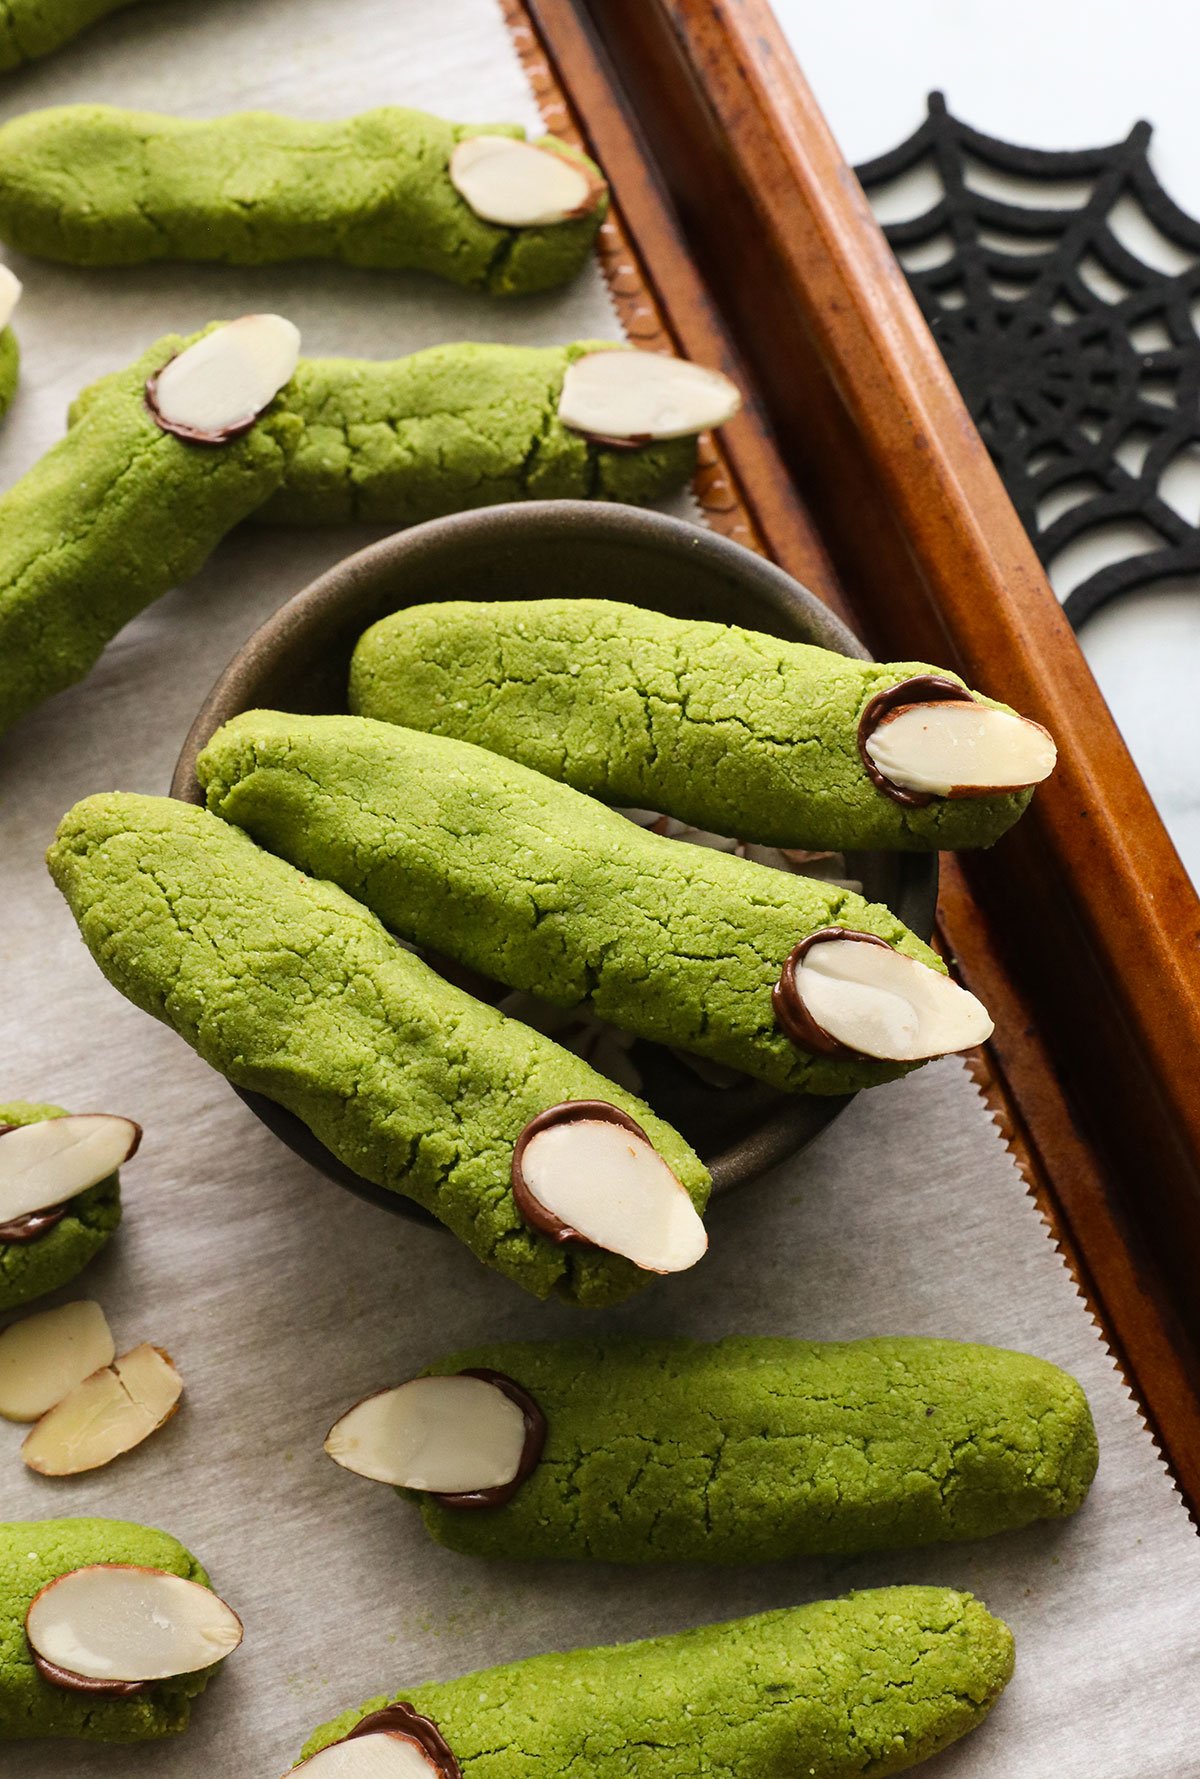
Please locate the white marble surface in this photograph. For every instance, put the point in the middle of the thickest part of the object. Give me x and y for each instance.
(1049, 74)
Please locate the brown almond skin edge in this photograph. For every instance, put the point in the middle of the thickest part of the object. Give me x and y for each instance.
(793, 1017)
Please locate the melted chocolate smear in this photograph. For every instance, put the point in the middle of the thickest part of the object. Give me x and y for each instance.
(32, 1225)
(82, 1683)
(924, 688)
(791, 1014)
(531, 1451)
(531, 1209)
(400, 1719)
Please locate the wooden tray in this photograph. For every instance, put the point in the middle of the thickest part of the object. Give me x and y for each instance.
(740, 237)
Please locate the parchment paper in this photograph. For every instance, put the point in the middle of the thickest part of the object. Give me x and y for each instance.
(283, 1300)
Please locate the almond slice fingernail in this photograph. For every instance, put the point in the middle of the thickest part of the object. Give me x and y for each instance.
(929, 737)
(631, 398)
(851, 994)
(43, 1165)
(215, 390)
(43, 1357)
(521, 184)
(106, 1415)
(115, 1627)
(585, 1172)
(471, 1439)
(10, 294)
(395, 1743)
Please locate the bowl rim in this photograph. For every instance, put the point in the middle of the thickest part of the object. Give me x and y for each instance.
(784, 1130)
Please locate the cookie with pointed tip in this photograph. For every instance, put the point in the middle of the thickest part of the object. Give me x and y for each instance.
(294, 990)
(49, 1241)
(873, 1682)
(532, 884)
(732, 730)
(685, 1451)
(109, 1631)
(396, 189)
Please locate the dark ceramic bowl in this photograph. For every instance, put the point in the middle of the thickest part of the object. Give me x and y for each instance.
(299, 659)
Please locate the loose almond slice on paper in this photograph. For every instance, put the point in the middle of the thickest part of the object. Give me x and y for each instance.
(632, 398)
(44, 1164)
(113, 1627)
(106, 1415)
(471, 1438)
(384, 1754)
(10, 294)
(521, 184)
(585, 1172)
(42, 1357)
(217, 388)
(851, 994)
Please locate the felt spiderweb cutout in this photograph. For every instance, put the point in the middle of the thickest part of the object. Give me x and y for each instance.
(1064, 291)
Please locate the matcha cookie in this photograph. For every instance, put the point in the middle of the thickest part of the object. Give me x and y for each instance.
(94, 185)
(729, 729)
(10, 357)
(132, 502)
(873, 1682)
(38, 1254)
(38, 1696)
(750, 1450)
(33, 28)
(534, 885)
(396, 441)
(292, 989)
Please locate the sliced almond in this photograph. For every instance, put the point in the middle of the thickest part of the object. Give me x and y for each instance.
(115, 1625)
(384, 1754)
(960, 749)
(10, 294)
(870, 1000)
(585, 1172)
(632, 398)
(49, 1162)
(449, 1435)
(107, 1414)
(42, 1357)
(519, 184)
(216, 389)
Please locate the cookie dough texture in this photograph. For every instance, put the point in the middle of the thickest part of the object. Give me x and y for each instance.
(36, 1552)
(729, 729)
(94, 185)
(31, 1269)
(292, 989)
(871, 1683)
(397, 441)
(758, 1449)
(109, 519)
(33, 28)
(10, 367)
(538, 887)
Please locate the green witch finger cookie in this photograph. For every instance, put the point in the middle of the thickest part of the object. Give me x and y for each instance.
(94, 185)
(871, 1683)
(749, 1450)
(60, 1194)
(536, 886)
(134, 499)
(108, 1631)
(729, 729)
(396, 441)
(548, 1172)
(33, 28)
(10, 357)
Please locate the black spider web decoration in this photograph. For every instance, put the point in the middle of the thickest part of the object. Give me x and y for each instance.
(1079, 362)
